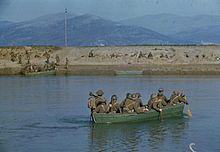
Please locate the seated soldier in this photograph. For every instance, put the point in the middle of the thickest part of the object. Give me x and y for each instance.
(122, 104)
(101, 108)
(153, 98)
(176, 98)
(174, 94)
(161, 95)
(113, 106)
(133, 103)
(138, 106)
(128, 104)
(159, 102)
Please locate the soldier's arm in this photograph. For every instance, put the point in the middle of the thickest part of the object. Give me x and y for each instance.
(182, 100)
(155, 106)
(167, 100)
(164, 102)
(141, 103)
(122, 104)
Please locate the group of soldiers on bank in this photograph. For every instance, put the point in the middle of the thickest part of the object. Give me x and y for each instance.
(133, 103)
(29, 67)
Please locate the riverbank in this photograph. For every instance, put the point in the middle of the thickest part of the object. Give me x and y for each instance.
(151, 60)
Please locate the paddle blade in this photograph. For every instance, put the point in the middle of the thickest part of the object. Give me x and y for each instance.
(189, 113)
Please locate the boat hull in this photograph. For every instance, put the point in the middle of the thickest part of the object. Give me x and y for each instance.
(43, 73)
(129, 72)
(170, 111)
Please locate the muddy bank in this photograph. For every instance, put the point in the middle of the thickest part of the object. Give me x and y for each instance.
(152, 60)
(147, 69)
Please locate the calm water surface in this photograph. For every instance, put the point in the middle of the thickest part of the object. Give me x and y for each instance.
(49, 114)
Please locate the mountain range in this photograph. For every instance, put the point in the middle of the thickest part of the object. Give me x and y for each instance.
(91, 30)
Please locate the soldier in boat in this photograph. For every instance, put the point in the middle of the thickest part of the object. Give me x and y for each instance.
(127, 104)
(174, 94)
(160, 101)
(177, 98)
(161, 95)
(113, 106)
(97, 103)
(152, 99)
(138, 106)
(158, 104)
(133, 103)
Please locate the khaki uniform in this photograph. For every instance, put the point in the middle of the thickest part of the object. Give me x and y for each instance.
(114, 107)
(159, 103)
(152, 99)
(20, 59)
(47, 57)
(128, 105)
(57, 60)
(99, 100)
(178, 99)
(67, 63)
(133, 103)
(102, 108)
(100, 103)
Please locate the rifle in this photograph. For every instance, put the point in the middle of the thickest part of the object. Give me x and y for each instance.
(92, 95)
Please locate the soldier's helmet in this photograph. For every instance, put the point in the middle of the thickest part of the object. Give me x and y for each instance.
(160, 90)
(153, 96)
(99, 92)
(114, 97)
(138, 95)
(133, 95)
(176, 92)
(128, 95)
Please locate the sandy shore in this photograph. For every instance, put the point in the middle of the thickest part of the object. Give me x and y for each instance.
(165, 60)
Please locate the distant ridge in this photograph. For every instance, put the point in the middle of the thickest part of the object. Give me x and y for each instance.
(83, 30)
(170, 24)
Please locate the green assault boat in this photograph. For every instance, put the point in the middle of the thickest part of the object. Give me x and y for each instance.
(169, 111)
(42, 73)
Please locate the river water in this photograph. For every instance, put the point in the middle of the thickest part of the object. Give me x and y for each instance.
(49, 114)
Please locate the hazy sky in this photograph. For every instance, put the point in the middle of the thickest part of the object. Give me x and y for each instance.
(19, 10)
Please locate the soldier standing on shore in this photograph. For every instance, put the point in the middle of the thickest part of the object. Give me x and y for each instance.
(47, 57)
(91, 54)
(57, 60)
(19, 59)
(12, 56)
(150, 56)
(67, 63)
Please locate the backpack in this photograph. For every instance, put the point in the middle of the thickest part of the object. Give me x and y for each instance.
(91, 103)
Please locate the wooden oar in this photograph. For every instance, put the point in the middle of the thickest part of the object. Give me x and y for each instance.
(161, 116)
(189, 112)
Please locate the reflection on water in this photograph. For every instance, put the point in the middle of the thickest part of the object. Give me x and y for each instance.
(134, 136)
